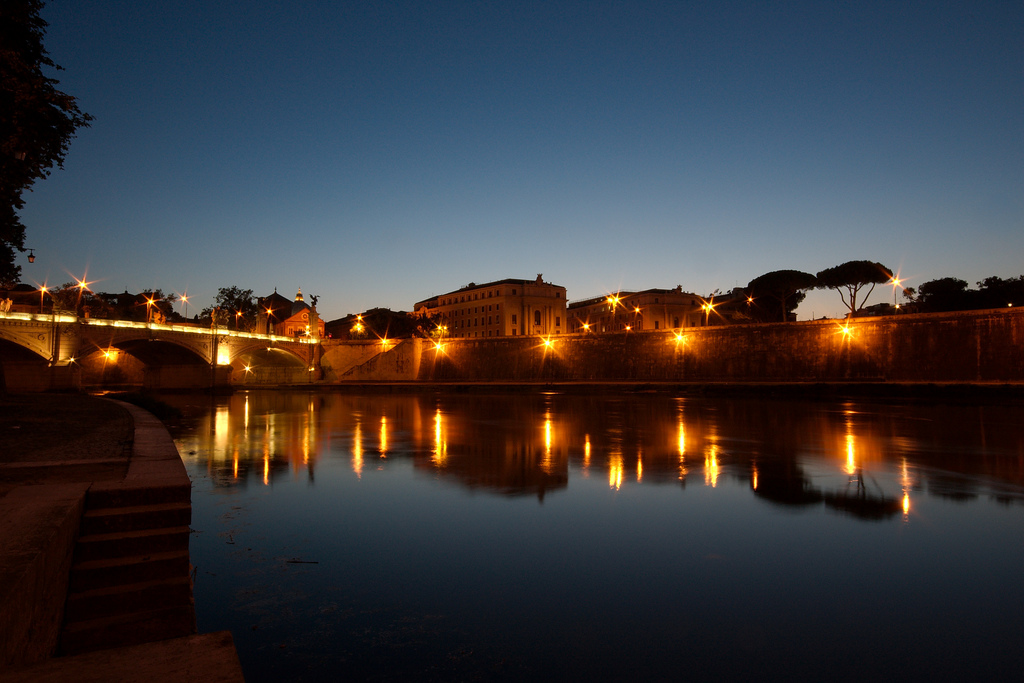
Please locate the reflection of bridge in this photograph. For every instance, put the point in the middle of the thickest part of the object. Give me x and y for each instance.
(193, 356)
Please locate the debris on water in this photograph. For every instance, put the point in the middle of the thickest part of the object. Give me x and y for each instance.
(296, 560)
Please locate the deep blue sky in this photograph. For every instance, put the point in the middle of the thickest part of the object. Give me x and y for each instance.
(378, 153)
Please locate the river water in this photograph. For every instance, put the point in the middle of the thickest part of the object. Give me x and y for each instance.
(472, 536)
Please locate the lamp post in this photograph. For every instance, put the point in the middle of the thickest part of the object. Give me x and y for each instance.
(895, 285)
(83, 287)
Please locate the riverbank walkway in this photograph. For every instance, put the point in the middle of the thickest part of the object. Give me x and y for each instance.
(83, 483)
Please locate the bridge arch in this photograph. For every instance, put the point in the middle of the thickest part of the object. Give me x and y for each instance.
(137, 340)
(37, 342)
(150, 363)
(241, 350)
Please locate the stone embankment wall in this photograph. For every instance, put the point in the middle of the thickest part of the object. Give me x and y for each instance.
(977, 346)
(974, 346)
(372, 361)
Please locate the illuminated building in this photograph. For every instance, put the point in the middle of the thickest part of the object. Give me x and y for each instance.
(278, 315)
(504, 308)
(651, 309)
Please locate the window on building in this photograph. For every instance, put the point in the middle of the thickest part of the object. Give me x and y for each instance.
(513, 292)
(536, 317)
(558, 320)
(675, 322)
(656, 324)
(513, 318)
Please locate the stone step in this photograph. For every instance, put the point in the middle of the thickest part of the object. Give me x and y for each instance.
(136, 518)
(128, 543)
(210, 658)
(118, 494)
(87, 576)
(127, 629)
(128, 599)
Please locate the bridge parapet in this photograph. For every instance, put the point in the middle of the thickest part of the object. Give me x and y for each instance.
(61, 338)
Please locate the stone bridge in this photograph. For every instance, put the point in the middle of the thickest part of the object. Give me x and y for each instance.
(55, 351)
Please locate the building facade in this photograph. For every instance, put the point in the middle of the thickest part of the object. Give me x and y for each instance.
(504, 308)
(278, 315)
(651, 309)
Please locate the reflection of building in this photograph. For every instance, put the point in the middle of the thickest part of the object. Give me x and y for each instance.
(278, 315)
(498, 309)
(651, 309)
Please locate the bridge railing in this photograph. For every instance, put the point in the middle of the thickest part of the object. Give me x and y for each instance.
(39, 317)
(195, 329)
(63, 318)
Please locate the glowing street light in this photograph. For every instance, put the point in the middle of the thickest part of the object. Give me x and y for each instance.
(895, 285)
(184, 301)
(707, 307)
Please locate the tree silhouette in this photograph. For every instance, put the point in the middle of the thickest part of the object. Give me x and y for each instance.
(784, 286)
(943, 294)
(37, 121)
(853, 276)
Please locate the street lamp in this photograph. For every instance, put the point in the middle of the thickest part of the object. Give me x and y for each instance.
(895, 285)
(31, 256)
(83, 287)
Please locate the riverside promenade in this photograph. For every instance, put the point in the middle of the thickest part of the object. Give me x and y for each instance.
(94, 585)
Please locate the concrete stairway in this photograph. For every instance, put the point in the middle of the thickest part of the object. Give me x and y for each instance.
(130, 576)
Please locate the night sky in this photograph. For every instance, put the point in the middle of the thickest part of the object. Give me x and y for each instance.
(378, 153)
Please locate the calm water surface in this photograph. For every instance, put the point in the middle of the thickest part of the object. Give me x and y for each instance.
(502, 537)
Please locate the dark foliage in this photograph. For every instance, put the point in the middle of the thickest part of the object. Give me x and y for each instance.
(775, 295)
(852, 277)
(952, 294)
(37, 121)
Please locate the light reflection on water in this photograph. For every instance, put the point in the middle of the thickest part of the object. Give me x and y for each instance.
(440, 536)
